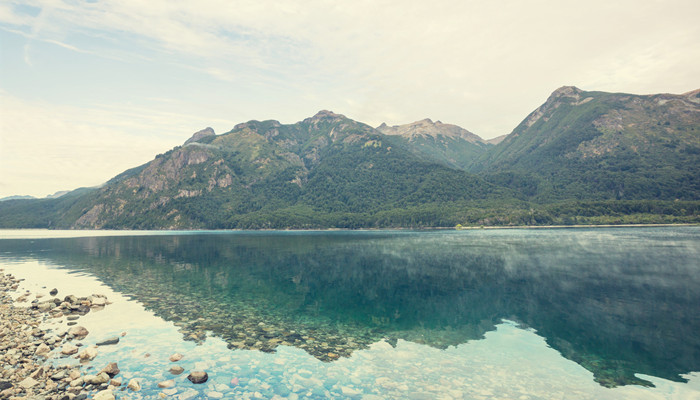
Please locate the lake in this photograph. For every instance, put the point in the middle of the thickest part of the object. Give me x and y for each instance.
(584, 313)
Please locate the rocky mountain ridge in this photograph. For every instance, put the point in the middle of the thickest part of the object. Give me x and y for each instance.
(331, 171)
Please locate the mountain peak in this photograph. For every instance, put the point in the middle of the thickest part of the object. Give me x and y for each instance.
(427, 128)
(200, 135)
(566, 91)
(325, 115)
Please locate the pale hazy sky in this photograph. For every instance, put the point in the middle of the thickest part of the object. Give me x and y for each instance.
(91, 88)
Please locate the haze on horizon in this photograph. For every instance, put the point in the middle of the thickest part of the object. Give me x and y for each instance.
(90, 89)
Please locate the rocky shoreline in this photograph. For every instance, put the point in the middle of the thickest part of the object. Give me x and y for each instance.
(28, 348)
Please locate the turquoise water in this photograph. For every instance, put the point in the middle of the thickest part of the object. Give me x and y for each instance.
(550, 313)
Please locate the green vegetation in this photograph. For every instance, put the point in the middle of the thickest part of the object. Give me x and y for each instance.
(581, 158)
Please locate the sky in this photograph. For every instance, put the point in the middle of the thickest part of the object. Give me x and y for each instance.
(91, 88)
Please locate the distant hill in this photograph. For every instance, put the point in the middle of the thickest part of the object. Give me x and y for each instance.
(16, 198)
(581, 157)
(447, 144)
(595, 145)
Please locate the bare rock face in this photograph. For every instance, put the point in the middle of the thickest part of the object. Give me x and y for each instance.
(200, 135)
(428, 128)
(198, 377)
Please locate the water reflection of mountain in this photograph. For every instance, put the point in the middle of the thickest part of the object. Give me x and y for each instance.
(615, 306)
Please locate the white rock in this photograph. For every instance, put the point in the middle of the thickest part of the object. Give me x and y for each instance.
(104, 395)
(99, 301)
(28, 383)
(88, 354)
(42, 350)
(134, 385)
(166, 384)
(68, 349)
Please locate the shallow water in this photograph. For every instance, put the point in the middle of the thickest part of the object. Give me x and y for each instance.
(555, 313)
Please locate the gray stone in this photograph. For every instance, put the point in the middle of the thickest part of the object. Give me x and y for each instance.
(177, 370)
(106, 342)
(111, 369)
(78, 331)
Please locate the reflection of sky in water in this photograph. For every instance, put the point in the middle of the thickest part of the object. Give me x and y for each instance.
(510, 363)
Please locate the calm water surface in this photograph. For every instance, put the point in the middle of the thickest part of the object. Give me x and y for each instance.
(550, 313)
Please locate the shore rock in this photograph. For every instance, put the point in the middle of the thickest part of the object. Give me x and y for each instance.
(176, 370)
(88, 354)
(176, 357)
(104, 395)
(166, 384)
(198, 377)
(68, 349)
(111, 369)
(134, 385)
(106, 342)
(42, 350)
(78, 332)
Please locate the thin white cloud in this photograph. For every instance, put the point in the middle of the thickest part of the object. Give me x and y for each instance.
(483, 65)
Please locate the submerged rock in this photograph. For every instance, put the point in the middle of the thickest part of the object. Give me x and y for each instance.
(106, 342)
(166, 384)
(176, 370)
(198, 377)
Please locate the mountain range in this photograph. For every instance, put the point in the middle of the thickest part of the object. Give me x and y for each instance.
(581, 157)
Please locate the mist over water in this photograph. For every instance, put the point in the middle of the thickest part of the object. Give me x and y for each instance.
(617, 301)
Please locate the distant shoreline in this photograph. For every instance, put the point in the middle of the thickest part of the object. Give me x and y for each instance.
(37, 233)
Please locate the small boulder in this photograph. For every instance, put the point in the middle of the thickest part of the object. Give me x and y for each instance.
(106, 342)
(176, 357)
(53, 292)
(99, 302)
(177, 370)
(42, 350)
(166, 384)
(78, 332)
(68, 349)
(134, 385)
(198, 377)
(96, 379)
(104, 395)
(111, 369)
(28, 383)
(88, 354)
